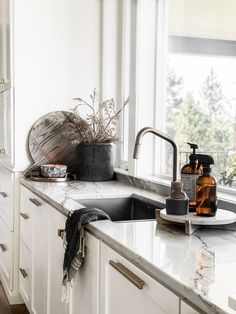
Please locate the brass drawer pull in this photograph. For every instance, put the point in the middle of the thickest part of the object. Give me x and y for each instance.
(60, 233)
(24, 215)
(3, 194)
(3, 247)
(2, 151)
(128, 274)
(23, 273)
(35, 202)
(2, 81)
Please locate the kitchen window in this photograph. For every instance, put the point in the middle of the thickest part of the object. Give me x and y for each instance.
(178, 63)
(200, 99)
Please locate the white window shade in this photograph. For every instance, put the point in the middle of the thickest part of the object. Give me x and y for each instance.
(213, 19)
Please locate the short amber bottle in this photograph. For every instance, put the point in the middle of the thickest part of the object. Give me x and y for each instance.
(206, 199)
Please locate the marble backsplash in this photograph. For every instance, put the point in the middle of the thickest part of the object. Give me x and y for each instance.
(142, 184)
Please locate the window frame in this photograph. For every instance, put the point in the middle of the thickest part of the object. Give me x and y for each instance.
(130, 14)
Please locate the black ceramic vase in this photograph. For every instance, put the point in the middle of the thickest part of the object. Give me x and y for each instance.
(94, 162)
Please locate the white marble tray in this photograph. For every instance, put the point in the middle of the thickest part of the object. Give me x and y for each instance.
(192, 221)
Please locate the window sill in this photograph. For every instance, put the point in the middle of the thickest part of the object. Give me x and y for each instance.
(226, 196)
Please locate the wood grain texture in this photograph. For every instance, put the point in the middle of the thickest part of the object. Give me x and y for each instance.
(6, 308)
(49, 141)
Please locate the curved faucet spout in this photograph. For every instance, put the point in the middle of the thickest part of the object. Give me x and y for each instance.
(165, 137)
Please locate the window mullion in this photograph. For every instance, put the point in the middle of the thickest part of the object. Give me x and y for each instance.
(161, 54)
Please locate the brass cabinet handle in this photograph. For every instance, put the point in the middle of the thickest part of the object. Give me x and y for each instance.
(3, 194)
(3, 247)
(24, 215)
(128, 274)
(60, 233)
(23, 272)
(35, 201)
(2, 81)
(2, 151)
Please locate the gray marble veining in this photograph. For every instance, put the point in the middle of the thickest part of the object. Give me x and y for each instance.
(200, 267)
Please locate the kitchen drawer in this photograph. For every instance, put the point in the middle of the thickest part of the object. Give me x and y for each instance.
(25, 274)
(126, 289)
(6, 242)
(7, 196)
(28, 202)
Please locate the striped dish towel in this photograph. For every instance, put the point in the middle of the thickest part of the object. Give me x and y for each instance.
(74, 243)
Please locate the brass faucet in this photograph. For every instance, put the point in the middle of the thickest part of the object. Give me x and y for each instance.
(165, 137)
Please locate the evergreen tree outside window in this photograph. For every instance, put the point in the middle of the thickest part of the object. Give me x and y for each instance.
(201, 87)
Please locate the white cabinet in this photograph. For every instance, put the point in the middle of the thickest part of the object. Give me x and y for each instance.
(84, 296)
(7, 240)
(33, 251)
(187, 309)
(7, 196)
(25, 274)
(56, 223)
(4, 44)
(85, 293)
(126, 289)
(6, 254)
(41, 257)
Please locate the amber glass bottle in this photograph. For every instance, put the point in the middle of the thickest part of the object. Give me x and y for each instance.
(189, 174)
(206, 200)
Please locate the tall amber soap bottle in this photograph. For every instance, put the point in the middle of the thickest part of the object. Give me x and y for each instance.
(206, 199)
(189, 174)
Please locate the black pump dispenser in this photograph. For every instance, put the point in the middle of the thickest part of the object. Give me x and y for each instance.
(192, 157)
(205, 161)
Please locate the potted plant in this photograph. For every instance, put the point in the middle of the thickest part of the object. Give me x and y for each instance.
(96, 132)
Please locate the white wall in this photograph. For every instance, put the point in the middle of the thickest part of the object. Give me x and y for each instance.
(57, 47)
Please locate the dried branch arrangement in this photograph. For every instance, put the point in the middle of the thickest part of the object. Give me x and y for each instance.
(99, 126)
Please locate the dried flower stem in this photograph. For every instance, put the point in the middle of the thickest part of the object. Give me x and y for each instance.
(100, 125)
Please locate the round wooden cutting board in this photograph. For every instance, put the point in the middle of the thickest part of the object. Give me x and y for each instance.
(50, 141)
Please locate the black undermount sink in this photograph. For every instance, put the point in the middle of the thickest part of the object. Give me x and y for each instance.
(123, 209)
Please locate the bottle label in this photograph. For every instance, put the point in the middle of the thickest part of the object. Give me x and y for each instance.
(189, 185)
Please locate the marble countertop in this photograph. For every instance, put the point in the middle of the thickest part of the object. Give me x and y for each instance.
(200, 267)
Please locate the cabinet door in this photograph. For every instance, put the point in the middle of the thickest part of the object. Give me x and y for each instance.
(39, 259)
(56, 222)
(7, 196)
(4, 44)
(25, 274)
(29, 203)
(121, 295)
(187, 309)
(6, 253)
(6, 132)
(85, 293)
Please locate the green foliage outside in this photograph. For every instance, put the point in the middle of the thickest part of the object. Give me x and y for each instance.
(207, 119)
